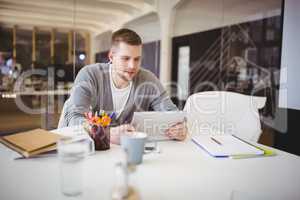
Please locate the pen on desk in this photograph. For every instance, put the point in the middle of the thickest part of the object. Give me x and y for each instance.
(37, 156)
(216, 141)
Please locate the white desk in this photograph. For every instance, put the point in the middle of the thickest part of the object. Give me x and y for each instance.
(180, 171)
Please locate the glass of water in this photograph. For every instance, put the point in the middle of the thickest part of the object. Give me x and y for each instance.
(72, 153)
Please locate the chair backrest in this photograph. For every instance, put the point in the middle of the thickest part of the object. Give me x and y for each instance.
(226, 112)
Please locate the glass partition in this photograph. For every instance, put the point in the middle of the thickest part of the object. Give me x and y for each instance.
(216, 45)
(234, 46)
(39, 61)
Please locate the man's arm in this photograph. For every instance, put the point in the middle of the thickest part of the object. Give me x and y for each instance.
(162, 102)
(81, 97)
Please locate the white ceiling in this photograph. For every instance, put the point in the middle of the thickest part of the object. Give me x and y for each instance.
(95, 16)
(98, 16)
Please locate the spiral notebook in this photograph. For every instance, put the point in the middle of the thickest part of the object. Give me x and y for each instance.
(226, 145)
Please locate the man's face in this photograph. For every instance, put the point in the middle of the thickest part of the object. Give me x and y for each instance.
(126, 60)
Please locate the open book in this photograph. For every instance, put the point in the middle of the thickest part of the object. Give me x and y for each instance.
(32, 142)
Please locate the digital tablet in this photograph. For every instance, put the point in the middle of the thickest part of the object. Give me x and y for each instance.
(155, 123)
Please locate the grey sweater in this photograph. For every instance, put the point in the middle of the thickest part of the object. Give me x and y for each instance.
(92, 89)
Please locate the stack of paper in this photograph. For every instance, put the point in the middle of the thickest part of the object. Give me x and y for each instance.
(227, 146)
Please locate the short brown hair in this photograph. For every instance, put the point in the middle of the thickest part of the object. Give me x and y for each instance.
(125, 35)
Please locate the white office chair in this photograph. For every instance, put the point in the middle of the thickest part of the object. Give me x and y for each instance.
(216, 112)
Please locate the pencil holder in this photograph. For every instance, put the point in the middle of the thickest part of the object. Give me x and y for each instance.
(100, 135)
(98, 127)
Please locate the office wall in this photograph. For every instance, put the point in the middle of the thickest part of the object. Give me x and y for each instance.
(196, 16)
(243, 58)
(101, 42)
(151, 57)
(289, 81)
(147, 27)
(289, 93)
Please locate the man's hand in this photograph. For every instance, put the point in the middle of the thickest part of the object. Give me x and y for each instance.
(116, 132)
(178, 131)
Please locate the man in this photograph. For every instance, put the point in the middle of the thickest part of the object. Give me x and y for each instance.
(121, 86)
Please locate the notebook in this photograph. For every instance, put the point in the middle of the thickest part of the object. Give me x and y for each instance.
(32, 142)
(226, 145)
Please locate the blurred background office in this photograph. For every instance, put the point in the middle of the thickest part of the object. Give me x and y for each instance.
(191, 45)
